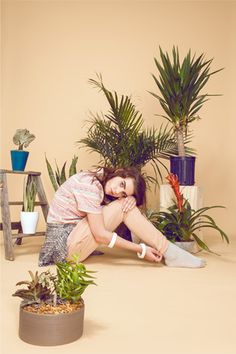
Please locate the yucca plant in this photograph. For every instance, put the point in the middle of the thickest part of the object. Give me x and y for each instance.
(180, 223)
(180, 86)
(29, 194)
(58, 177)
(119, 136)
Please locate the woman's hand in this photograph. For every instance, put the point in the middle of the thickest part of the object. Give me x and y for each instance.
(153, 255)
(128, 203)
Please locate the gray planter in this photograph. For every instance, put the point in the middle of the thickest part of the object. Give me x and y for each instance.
(51, 330)
(189, 246)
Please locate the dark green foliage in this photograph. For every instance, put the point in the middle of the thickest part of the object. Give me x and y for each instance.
(181, 226)
(180, 87)
(120, 138)
(72, 280)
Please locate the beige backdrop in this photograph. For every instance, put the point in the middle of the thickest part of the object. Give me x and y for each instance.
(51, 48)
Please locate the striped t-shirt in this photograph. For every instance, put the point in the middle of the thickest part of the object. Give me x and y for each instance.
(79, 195)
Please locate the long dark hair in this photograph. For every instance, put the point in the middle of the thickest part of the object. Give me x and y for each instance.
(131, 172)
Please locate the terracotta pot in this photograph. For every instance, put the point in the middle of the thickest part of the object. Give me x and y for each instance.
(48, 330)
(189, 246)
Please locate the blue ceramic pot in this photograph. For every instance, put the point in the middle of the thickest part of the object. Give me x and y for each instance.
(184, 168)
(19, 159)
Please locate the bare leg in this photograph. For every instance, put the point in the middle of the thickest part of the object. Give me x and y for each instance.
(81, 240)
(144, 230)
(173, 255)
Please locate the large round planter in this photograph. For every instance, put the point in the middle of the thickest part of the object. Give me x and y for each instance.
(189, 246)
(19, 159)
(51, 330)
(29, 221)
(184, 168)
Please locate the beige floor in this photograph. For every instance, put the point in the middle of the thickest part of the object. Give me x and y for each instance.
(137, 307)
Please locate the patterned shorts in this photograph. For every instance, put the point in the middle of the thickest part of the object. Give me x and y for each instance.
(55, 245)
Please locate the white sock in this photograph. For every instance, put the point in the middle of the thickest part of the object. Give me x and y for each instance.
(177, 257)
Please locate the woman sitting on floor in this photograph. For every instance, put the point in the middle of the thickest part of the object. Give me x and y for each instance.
(89, 206)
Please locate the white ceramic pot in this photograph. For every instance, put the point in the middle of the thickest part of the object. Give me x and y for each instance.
(29, 221)
(189, 246)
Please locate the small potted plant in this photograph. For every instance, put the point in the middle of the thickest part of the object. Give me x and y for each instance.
(22, 139)
(180, 95)
(181, 222)
(29, 217)
(52, 309)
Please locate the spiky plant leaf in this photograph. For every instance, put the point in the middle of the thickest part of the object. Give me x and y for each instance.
(72, 169)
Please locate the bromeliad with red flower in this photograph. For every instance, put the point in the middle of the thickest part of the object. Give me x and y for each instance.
(181, 222)
(174, 183)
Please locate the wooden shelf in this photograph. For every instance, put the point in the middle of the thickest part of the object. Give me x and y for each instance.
(20, 235)
(7, 225)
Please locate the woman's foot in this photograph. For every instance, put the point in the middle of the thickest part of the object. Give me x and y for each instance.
(177, 257)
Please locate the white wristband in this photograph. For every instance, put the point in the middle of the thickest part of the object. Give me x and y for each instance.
(113, 240)
(144, 250)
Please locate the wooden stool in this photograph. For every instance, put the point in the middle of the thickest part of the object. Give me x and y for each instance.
(6, 225)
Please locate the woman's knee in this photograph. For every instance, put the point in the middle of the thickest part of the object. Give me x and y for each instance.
(132, 212)
(115, 205)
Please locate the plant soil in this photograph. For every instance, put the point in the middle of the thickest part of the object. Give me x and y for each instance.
(50, 309)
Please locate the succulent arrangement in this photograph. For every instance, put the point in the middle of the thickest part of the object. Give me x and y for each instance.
(53, 293)
(22, 138)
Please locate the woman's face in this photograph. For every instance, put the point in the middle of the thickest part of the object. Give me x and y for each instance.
(119, 187)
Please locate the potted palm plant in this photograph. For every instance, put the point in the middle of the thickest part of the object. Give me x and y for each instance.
(181, 97)
(29, 217)
(52, 309)
(180, 223)
(22, 138)
(119, 136)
